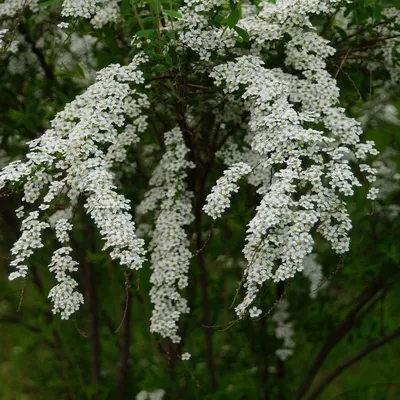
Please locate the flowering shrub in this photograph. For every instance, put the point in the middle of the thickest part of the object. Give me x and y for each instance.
(170, 113)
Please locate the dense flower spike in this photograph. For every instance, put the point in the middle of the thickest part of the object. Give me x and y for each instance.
(64, 297)
(73, 158)
(170, 256)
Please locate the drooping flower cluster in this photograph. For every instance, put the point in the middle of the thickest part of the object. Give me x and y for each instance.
(312, 171)
(29, 241)
(75, 157)
(170, 254)
(313, 271)
(283, 330)
(66, 300)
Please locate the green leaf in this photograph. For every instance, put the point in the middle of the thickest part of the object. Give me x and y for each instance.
(242, 33)
(46, 3)
(172, 13)
(168, 60)
(79, 71)
(125, 8)
(233, 18)
(342, 32)
(147, 19)
(145, 32)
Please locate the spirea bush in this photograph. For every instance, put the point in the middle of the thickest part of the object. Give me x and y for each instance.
(198, 104)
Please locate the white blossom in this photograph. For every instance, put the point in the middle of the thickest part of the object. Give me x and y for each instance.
(255, 312)
(64, 297)
(219, 199)
(170, 254)
(80, 149)
(279, 236)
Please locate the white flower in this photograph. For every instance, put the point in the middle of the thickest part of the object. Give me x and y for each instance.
(185, 356)
(63, 25)
(255, 312)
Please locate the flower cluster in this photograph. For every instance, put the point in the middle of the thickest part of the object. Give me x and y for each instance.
(101, 12)
(170, 256)
(29, 241)
(157, 394)
(63, 295)
(219, 199)
(3, 34)
(197, 34)
(283, 330)
(312, 171)
(75, 157)
(313, 271)
(79, 8)
(10, 8)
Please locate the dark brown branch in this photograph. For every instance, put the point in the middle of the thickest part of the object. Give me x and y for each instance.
(88, 275)
(361, 31)
(336, 336)
(280, 367)
(125, 344)
(206, 320)
(93, 324)
(349, 362)
(368, 44)
(197, 184)
(372, 305)
(203, 280)
(263, 365)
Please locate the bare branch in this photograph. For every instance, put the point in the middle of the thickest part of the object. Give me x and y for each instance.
(356, 357)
